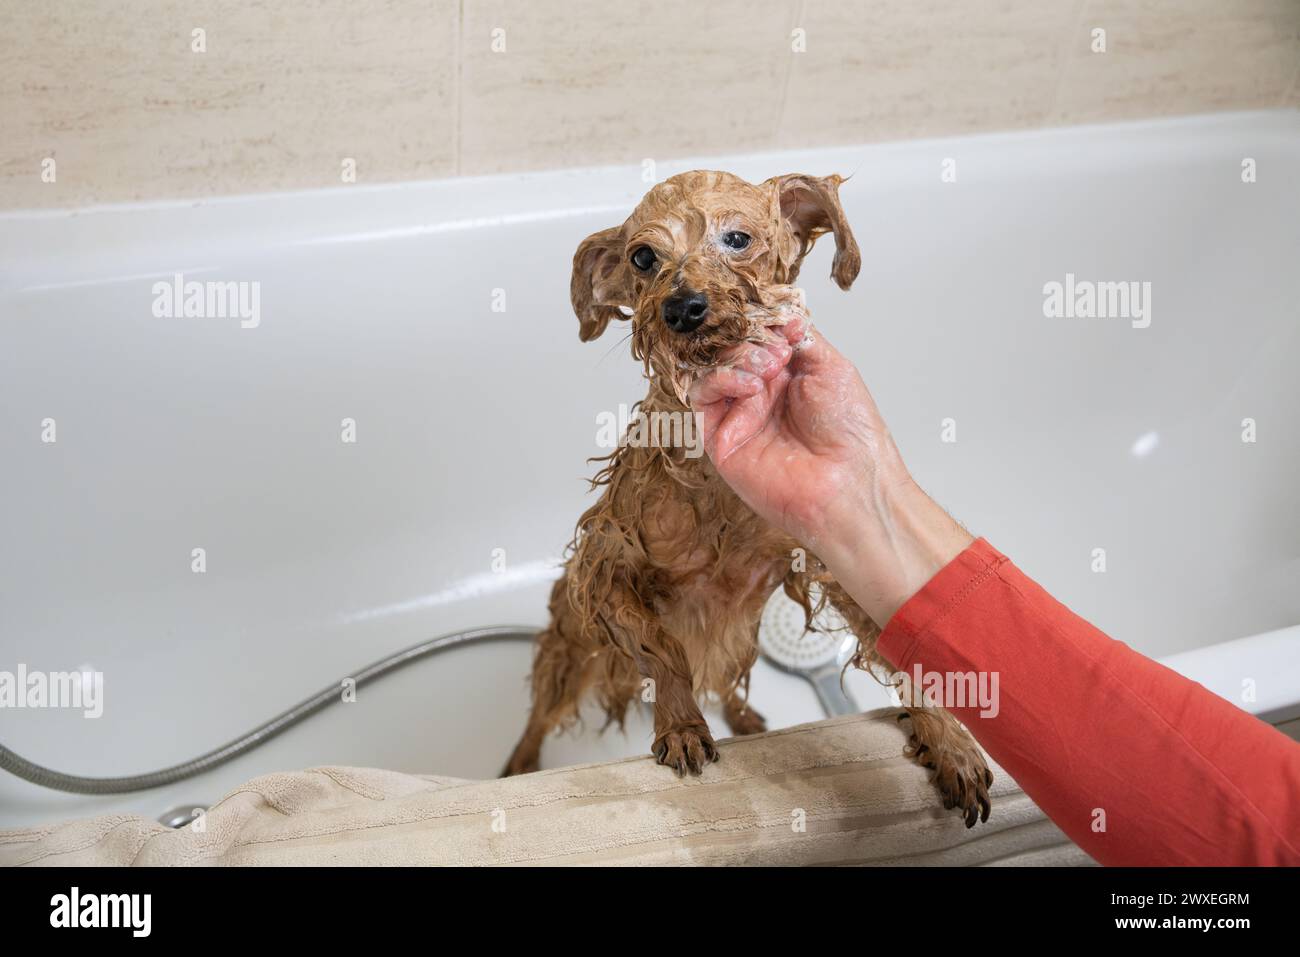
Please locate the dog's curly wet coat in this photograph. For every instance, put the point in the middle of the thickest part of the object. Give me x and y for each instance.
(669, 570)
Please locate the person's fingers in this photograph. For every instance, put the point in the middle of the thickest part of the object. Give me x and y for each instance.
(796, 329)
(744, 420)
(724, 382)
(761, 358)
(813, 354)
(735, 400)
(714, 395)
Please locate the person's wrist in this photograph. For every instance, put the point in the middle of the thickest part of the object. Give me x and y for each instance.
(885, 539)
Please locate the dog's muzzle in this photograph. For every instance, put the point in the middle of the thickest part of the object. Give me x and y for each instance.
(685, 310)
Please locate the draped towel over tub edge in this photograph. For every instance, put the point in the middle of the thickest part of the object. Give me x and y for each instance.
(832, 792)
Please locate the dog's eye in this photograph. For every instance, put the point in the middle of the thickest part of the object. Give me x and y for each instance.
(735, 240)
(643, 258)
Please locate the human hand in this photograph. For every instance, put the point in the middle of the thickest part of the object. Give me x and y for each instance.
(791, 427)
(789, 424)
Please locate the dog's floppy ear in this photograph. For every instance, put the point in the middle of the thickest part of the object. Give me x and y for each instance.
(810, 207)
(601, 282)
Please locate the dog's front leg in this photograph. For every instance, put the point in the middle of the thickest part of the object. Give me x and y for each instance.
(938, 741)
(682, 740)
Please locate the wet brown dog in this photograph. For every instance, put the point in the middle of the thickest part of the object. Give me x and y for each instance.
(669, 571)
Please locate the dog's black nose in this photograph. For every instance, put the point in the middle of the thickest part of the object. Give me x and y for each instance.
(685, 310)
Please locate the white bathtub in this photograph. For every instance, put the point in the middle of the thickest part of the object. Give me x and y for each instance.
(473, 427)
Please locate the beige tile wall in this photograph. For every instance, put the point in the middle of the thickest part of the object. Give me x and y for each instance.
(287, 90)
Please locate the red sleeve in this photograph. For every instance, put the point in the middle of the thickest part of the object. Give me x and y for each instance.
(1089, 727)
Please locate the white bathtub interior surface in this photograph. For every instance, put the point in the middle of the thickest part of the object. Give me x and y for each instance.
(473, 427)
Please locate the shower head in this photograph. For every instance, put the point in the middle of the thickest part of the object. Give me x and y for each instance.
(816, 656)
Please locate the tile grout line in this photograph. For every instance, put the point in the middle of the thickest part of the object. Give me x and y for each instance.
(1052, 117)
(457, 132)
(1291, 91)
(800, 8)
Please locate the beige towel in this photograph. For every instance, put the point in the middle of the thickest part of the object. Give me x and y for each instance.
(832, 792)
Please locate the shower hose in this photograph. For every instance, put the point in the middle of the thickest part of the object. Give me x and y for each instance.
(28, 771)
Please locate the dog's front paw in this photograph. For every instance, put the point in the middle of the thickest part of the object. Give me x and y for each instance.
(685, 749)
(961, 775)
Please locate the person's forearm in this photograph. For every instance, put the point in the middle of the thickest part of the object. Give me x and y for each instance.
(1137, 764)
(1134, 762)
(886, 539)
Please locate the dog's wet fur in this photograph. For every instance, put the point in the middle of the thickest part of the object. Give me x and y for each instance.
(668, 572)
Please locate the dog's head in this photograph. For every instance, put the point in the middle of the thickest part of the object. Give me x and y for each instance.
(693, 265)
